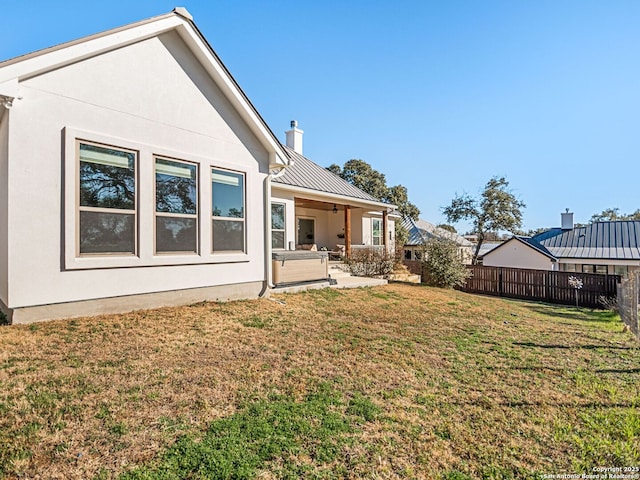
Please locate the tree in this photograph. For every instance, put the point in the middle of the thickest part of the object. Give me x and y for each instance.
(362, 175)
(613, 214)
(534, 231)
(497, 209)
(398, 196)
(448, 228)
(442, 264)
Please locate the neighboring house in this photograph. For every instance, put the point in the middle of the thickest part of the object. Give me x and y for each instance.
(519, 252)
(134, 173)
(421, 231)
(324, 210)
(600, 247)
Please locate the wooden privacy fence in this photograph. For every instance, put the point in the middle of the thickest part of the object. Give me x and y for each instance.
(541, 285)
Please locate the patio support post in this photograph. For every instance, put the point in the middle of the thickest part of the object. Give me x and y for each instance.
(385, 229)
(347, 230)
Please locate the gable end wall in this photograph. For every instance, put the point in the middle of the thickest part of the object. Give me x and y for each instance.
(152, 96)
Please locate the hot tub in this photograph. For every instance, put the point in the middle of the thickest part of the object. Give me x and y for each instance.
(299, 266)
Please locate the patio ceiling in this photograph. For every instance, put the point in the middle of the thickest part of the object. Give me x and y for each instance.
(316, 205)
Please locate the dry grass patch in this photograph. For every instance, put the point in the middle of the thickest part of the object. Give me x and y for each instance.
(429, 384)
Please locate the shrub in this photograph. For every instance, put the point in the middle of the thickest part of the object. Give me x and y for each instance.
(609, 303)
(369, 262)
(442, 264)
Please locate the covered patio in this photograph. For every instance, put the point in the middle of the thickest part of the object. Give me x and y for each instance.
(339, 227)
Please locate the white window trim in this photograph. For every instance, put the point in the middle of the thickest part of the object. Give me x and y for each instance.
(80, 208)
(243, 219)
(283, 230)
(381, 236)
(146, 207)
(157, 214)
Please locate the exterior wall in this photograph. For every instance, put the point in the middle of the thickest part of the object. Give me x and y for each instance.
(128, 303)
(154, 97)
(515, 254)
(4, 202)
(569, 264)
(367, 230)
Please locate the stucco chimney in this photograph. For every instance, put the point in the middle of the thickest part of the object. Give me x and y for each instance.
(294, 137)
(567, 220)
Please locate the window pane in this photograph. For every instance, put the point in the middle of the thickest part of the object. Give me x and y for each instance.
(228, 194)
(376, 227)
(601, 269)
(228, 235)
(277, 216)
(107, 178)
(277, 239)
(376, 231)
(107, 232)
(175, 187)
(176, 234)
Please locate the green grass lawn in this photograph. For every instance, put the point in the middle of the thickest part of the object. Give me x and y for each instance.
(400, 381)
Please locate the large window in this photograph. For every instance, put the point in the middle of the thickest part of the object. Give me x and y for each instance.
(228, 211)
(176, 207)
(376, 234)
(278, 225)
(107, 200)
(594, 269)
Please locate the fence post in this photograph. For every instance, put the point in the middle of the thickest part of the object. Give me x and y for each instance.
(500, 281)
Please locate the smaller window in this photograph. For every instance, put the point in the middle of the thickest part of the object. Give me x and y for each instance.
(568, 267)
(601, 269)
(228, 211)
(376, 234)
(407, 254)
(278, 217)
(176, 207)
(418, 255)
(622, 270)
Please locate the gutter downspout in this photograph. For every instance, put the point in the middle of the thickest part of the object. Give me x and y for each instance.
(268, 284)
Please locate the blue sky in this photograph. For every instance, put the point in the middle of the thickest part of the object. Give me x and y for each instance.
(438, 95)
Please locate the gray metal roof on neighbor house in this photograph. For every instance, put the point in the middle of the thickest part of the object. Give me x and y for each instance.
(487, 247)
(605, 240)
(420, 231)
(309, 175)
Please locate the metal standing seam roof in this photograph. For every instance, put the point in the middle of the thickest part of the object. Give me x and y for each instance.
(535, 245)
(305, 173)
(617, 240)
(420, 231)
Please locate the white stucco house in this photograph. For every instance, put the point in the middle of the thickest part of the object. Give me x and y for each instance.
(600, 247)
(520, 252)
(134, 172)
